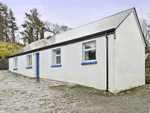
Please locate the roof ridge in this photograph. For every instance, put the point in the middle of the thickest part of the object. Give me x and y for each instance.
(97, 20)
(116, 13)
(125, 17)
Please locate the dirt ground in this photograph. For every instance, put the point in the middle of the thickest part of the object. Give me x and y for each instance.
(20, 94)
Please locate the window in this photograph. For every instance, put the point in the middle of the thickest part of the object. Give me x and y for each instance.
(15, 64)
(56, 59)
(89, 53)
(29, 61)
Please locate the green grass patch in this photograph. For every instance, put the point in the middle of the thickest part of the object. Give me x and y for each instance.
(80, 86)
(59, 87)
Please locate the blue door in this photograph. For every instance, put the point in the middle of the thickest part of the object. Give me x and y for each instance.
(37, 62)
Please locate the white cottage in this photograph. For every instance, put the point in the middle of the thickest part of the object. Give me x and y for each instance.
(107, 54)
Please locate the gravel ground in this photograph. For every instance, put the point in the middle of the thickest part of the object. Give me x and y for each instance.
(20, 94)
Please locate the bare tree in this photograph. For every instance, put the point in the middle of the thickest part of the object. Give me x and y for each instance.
(64, 28)
(55, 28)
(145, 29)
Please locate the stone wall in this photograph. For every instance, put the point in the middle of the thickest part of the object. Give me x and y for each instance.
(3, 64)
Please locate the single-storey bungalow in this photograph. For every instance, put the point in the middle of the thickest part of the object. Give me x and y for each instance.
(107, 54)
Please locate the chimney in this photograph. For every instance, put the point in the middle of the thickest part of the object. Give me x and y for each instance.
(48, 34)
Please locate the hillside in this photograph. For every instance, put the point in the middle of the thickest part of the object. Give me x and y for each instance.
(7, 49)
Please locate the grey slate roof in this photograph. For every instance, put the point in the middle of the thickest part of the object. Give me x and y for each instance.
(37, 44)
(103, 24)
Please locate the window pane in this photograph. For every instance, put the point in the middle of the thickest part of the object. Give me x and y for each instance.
(90, 55)
(56, 57)
(90, 45)
(15, 62)
(30, 60)
(57, 52)
(58, 60)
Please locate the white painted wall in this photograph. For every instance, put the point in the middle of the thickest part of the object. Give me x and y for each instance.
(71, 70)
(92, 75)
(22, 66)
(111, 75)
(129, 53)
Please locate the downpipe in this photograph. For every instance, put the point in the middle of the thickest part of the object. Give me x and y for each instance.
(106, 62)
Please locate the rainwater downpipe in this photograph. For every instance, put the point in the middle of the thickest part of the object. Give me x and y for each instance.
(106, 62)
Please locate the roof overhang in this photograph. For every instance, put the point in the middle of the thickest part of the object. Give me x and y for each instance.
(140, 28)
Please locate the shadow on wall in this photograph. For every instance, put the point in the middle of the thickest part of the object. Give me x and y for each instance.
(3, 64)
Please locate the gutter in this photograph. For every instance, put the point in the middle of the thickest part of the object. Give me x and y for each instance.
(107, 73)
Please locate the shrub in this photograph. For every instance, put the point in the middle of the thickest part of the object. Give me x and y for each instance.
(7, 49)
(2, 49)
(2, 46)
(7, 54)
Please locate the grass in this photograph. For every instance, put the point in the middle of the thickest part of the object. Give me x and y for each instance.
(65, 96)
(7, 49)
(133, 90)
(80, 86)
(23, 92)
(59, 87)
(16, 90)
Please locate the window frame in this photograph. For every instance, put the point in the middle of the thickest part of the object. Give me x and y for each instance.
(15, 68)
(85, 62)
(27, 61)
(54, 56)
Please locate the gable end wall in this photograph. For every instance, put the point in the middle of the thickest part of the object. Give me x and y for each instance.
(129, 66)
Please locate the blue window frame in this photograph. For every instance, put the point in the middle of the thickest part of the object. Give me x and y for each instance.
(29, 61)
(89, 52)
(15, 63)
(56, 57)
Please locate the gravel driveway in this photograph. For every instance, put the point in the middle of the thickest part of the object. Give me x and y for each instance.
(20, 94)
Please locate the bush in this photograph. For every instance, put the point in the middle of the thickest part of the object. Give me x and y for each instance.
(7, 54)
(7, 49)
(2, 49)
(2, 46)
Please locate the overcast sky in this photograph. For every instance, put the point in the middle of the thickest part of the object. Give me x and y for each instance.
(74, 13)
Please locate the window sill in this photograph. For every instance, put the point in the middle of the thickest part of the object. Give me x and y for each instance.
(90, 62)
(15, 69)
(28, 67)
(56, 65)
